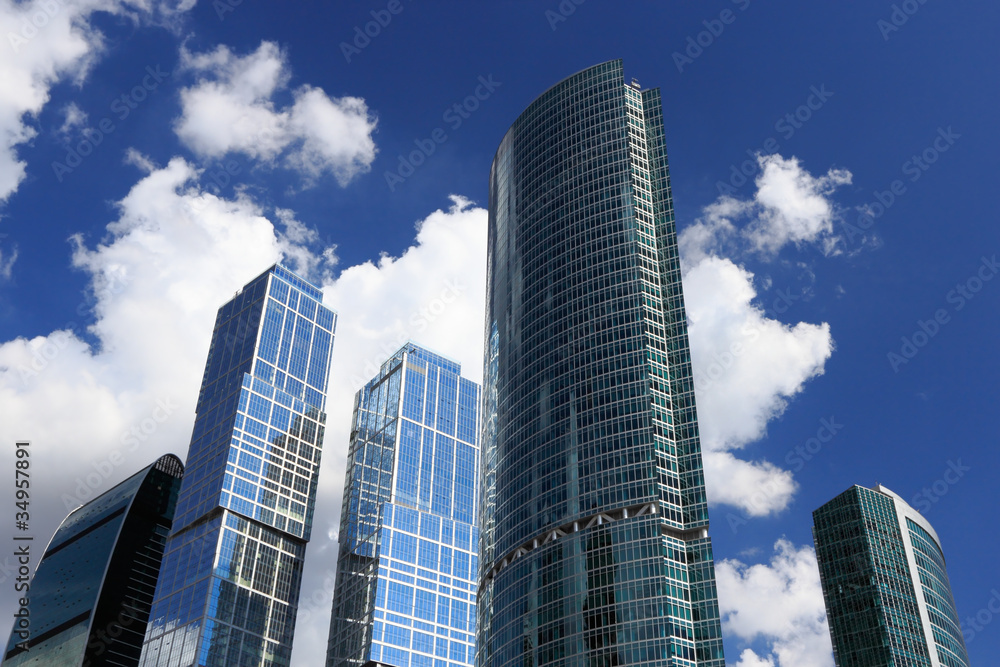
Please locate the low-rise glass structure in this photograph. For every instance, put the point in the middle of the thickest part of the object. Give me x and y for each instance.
(90, 596)
(407, 568)
(888, 599)
(229, 585)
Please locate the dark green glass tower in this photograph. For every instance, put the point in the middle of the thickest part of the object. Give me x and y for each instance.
(594, 547)
(888, 600)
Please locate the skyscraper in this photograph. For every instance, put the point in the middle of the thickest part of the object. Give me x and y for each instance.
(888, 600)
(89, 598)
(229, 585)
(407, 568)
(595, 546)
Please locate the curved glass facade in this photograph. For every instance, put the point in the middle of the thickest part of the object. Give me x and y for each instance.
(594, 546)
(888, 599)
(91, 593)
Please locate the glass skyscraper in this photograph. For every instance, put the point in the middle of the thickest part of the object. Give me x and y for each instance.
(229, 585)
(888, 599)
(90, 595)
(595, 546)
(407, 568)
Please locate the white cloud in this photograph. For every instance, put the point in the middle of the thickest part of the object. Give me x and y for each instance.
(794, 205)
(45, 42)
(73, 117)
(231, 109)
(746, 364)
(750, 659)
(712, 231)
(173, 256)
(779, 603)
(790, 206)
(7, 258)
(758, 488)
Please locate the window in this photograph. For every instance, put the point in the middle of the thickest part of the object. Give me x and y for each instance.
(400, 599)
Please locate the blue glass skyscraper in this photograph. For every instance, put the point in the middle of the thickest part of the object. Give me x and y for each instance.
(595, 546)
(407, 567)
(230, 579)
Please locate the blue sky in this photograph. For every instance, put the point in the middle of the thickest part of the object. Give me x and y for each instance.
(232, 135)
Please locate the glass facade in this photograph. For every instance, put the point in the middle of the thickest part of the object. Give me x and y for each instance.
(90, 596)
(229, 585)
(408, 564)
(595, 546)
(888, 600)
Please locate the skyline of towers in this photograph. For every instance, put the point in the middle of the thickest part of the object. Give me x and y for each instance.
(594, 523)
(231, 574)
(407, 566)
(885, 586)
(568, 361)
(90, 595)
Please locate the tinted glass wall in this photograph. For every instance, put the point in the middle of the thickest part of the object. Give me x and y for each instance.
(886, 589)
(408, 564)
(595, 545)
(90, 597)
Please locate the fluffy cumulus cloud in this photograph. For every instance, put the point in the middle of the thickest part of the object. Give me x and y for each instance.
(747, 364)
(73, 118)
(790, 206)
(230, 109)
(45, 42)
(780, 602)
(99, 402)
